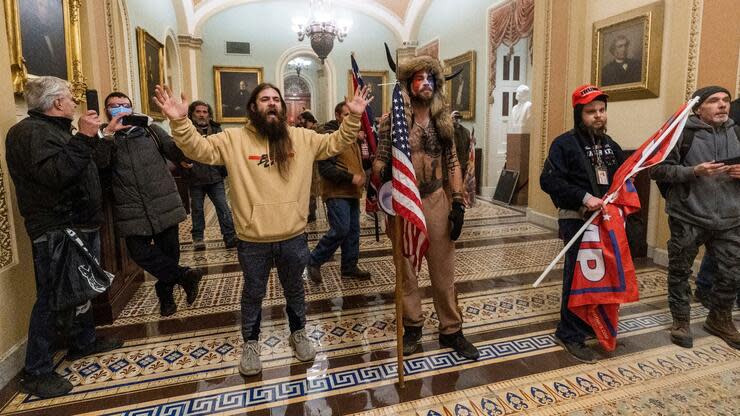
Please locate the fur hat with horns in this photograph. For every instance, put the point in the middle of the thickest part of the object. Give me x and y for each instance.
(440, 111)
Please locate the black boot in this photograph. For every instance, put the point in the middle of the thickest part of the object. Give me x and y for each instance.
(45, 385)
(167, 305)
(100, 345)
(411, 338)
(356, 273)
(190, 283)
(314, 273)
(461, 345)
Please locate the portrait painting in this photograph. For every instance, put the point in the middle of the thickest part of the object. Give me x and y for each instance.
(374, 80)
(234, 85)
(44, 40)
(626, 57)
(151, 71)
(430, 49)
(43, 37)
(461, 89)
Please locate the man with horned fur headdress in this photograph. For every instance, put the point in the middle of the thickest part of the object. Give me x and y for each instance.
(439, 179)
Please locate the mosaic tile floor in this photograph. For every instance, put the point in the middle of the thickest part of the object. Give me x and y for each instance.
(187, 364)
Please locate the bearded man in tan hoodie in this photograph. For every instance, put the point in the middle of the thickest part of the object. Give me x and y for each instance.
(269, 165)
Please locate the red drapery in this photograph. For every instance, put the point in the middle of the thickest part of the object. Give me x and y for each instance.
(507, 24)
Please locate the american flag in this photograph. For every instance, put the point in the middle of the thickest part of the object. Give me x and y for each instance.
(406, 199)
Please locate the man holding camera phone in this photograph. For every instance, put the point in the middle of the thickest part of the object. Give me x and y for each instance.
(147, 207)
(702, 207)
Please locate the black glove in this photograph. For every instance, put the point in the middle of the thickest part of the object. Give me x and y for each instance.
(456, 217)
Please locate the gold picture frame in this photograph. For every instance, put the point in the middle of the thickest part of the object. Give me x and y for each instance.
(460, 90)
(151, 71)
(626, 51)
(376, 80)
(68, 17)
(233, 86)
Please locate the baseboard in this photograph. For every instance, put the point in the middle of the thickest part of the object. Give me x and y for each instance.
(486, 192)
(541, 219)
(660, 257)
(12, 363)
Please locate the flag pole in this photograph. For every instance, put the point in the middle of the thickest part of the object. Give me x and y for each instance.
(398, 261)
(565, 249)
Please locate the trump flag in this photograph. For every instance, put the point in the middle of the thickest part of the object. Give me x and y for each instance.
(604, 276)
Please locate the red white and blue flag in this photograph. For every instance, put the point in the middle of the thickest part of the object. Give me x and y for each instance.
(406, 198)
(604, 275)
(371, 201)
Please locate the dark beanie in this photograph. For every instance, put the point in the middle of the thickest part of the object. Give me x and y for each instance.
(706, 92)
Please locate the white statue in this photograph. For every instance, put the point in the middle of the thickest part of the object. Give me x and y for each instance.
(520, 114)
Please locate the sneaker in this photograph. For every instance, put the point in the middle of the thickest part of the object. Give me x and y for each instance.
(99, 346)
(461, 345)
(579, 351)
(302, 347)
(411, 339)
(45, 385)
(190, 282)
(199, 245)
(314, 273)
(681, 333)
(356, 273)
(250, 363)
(231, 242)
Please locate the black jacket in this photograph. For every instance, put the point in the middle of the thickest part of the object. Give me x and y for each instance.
(145, 194)
(201, 174)
(565, 176)
(56, 181)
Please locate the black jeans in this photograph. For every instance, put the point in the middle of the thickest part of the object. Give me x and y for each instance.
(159, 255)
(290, 257)
(41, 331)
(570, 328)
(217, 193)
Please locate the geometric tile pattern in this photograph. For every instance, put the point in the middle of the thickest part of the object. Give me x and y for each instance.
(222, 292)
(268, 394)
(668, 380)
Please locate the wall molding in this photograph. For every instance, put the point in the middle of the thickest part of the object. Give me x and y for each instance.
(541, 219)
(7, 253)
(12, 362)
(544, 120)
(692, 71)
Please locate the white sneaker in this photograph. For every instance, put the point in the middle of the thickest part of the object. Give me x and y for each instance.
(250, 363)
(302, 347)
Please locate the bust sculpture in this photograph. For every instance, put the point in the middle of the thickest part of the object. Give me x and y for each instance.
(521, 112)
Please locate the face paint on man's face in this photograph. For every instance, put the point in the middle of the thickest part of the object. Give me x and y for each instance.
(422, 85)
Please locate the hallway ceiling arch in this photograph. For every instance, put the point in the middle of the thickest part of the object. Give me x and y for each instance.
(400, 16)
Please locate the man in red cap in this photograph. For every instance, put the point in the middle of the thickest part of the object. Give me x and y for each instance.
(576, 175)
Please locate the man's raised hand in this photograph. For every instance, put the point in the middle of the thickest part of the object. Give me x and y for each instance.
(171, 107)
(359, 101)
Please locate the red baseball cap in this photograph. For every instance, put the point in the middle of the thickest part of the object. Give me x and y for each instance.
(587, 93)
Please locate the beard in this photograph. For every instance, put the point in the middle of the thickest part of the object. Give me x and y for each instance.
(594, 131)
(422, 99)
(278, 136)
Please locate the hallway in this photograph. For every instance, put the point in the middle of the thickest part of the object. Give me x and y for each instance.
(187, 364)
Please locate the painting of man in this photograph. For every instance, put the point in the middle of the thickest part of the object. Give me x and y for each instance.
(622, 68)
(234, 85)
(42, 37)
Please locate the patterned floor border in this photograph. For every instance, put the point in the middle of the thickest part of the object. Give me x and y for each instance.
(655, 382)
(174, 359)
(320, 382)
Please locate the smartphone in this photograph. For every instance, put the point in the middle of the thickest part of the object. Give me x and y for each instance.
(730, 161)
(135, 120)
(91, 98)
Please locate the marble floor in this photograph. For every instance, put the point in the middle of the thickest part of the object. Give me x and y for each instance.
(187, 363)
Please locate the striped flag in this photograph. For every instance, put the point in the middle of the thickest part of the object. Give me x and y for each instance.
(371, 202)
(406, 199)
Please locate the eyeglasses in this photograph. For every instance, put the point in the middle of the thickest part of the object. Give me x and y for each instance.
(119, 105)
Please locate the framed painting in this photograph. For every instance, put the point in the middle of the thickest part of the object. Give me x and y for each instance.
(626, 53)
(233, 86)
(461, 89)
(374, 80)
(429, 49)
(44, 39)
(151, 71)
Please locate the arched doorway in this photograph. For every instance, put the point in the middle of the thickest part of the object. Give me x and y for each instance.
(297, 96)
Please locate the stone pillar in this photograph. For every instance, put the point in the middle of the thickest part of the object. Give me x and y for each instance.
(190, 55)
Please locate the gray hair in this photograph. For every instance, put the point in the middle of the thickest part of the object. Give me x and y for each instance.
(41, 92)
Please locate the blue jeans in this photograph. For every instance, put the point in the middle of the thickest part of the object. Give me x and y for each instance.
(344, 231)
(41, 330)
(217, 193)
(571, 328)
(290, 256)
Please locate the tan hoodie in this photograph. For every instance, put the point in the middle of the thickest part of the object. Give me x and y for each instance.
(266, 207)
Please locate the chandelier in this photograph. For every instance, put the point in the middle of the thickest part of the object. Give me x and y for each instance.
(321, 28)
(299, 64)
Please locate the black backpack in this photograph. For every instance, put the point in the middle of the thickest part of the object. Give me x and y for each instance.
(688, 138)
